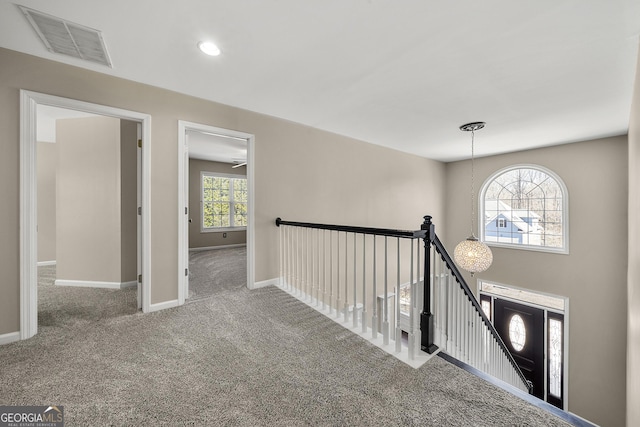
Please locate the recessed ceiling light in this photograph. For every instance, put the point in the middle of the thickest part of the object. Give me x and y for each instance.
(209, 48)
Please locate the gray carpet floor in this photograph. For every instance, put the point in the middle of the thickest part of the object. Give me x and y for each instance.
(216, 270)
(237, 358)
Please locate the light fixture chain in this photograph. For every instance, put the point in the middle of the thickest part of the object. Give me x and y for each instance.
(471, 254)
(473, 212)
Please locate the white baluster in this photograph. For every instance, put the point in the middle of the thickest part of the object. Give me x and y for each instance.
(385, 309)
(436, 303)
(417, 302)
(295, 257)
(412, 293)
(454, 316)
(306, 264)
(280, 257)
(451, 326)
(398, 336)
(467, 329)
(302, 271)
(374, 317)
(284, 257)
(363, 318)
(330, 271)
(478, 343)
(324, 270)
(318, 270)
(287, 258)
(459, 322)
(309, 265)
(355, 284)
(291, 260)
(338, 300)
(346, 278)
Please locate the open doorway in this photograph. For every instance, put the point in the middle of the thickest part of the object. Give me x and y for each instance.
(216, 209)
(87, 200)
(134, 195)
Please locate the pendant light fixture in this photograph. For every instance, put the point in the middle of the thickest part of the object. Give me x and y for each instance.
(471, 254)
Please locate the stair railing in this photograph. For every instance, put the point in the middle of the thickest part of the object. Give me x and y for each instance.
(459, 326)
(346, 271)
(369, 277)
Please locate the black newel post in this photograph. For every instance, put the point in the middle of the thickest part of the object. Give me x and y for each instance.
(426, 317)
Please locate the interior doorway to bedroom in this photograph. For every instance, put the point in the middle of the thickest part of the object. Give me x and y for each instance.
(217, 217)
(82, 233)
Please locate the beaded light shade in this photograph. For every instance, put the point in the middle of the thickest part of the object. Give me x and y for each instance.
(471, 254)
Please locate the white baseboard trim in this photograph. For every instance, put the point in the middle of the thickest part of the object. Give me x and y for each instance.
(9, 338)
(265, 283)
(95, 284)
(211, 248)
(131, 284)
(163, 305)
(43, 263)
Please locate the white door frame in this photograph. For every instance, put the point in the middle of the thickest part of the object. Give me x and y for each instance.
(28, 198)
(183, 179)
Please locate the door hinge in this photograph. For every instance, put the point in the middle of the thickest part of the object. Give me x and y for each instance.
(186, 271)
(139, 278)
(139, 143)
(139, 210)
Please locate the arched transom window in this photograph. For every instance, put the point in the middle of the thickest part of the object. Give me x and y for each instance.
(525, 207)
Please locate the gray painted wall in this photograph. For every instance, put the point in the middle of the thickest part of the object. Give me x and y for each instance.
(90, 231)
(633, 278)
(47, 170)
(197, 238)
(302, 173)
(592, 275)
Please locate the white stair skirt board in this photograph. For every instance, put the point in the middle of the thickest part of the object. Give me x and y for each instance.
(420, 358)
(95, 284)
(9, 338)
(43, 263)
(211, 248)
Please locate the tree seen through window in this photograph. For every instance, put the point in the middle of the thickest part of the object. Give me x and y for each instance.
(224, 201)
(525, 206)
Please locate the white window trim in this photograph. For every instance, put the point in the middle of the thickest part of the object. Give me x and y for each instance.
(204, 229)
(565, 211)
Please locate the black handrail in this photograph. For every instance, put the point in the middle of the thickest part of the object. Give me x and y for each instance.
(406, 234)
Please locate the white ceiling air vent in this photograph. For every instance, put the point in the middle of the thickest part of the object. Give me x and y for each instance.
(68, 38)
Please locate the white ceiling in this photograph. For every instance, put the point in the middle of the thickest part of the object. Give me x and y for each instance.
(216, 148)
(404, 74)
(47, 116)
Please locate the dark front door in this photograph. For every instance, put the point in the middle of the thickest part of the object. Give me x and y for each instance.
(522, 330)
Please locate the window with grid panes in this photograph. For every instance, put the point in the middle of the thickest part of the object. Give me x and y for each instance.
(525, 207)
(224, 201)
